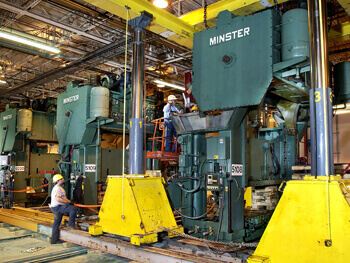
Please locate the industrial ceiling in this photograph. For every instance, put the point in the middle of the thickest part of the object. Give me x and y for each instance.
(91, 36)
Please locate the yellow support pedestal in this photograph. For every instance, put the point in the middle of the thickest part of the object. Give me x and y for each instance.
(145, 212)
(311, 223)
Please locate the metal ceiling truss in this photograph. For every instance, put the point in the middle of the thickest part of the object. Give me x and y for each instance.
(64, 26)
(91, 34)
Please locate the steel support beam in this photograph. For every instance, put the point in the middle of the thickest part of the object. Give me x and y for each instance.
(37, 221)
(113, 246)
(163, 21)
(24, 12)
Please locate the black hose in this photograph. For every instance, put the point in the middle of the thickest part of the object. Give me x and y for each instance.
(192, 178)
(197, 217)
(221, 215)
(185, 216)
(192, 190)
(276, 163)
(229, 209)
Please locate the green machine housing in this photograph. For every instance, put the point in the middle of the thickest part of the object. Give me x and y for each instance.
(246, 70)
(27, 142)
(82, 112)
(87, 117)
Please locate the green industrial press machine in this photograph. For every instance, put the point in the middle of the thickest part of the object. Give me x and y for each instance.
(247, 71)
(88, 116)
(28, 146)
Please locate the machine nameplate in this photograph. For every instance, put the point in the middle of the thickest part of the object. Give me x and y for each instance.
(237, 170)
(70, 99)
(90, 168)
(7, 117)
(19, 168)
(243, 32)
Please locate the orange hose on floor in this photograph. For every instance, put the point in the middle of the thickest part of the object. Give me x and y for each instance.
(87, 206)
(93, 210)
(25, 190)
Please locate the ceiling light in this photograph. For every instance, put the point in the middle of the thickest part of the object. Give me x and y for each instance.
(160, 3)
(160, 85)
(28, 42)
(341, 112)
(170, 85)
(3, 81)
(341, 106)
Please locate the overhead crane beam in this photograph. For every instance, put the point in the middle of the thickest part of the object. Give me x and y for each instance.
(181, 29)
(163, 22)
(237, 7)
(339, 33)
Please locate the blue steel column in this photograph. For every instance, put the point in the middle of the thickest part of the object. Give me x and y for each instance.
(321, 127)
(136, 121)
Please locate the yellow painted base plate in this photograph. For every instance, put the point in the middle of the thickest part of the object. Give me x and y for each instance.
(136, 207)
(311, 223)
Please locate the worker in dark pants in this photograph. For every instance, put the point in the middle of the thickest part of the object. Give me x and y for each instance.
(60, 205)
(170, 129)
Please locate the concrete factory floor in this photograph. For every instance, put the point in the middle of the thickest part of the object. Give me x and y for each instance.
(19, 245)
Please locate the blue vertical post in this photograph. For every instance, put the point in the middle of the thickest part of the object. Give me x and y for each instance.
(136, 121)
(321, 127)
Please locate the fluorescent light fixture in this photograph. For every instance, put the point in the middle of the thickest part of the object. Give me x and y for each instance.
(170, 85)
(341, 112)
(341, 106)
(160, 3)
(3, 81)
(28, 42)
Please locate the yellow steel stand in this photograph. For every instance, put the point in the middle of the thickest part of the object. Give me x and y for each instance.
(311, 223)
(146, 209)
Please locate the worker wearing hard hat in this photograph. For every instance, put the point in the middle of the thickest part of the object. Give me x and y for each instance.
(195, 108)
(60, 205)
(170, 129)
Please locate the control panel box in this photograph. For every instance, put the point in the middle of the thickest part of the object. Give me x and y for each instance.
(218, 148)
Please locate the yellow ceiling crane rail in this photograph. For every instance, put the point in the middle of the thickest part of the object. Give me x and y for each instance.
(237, 7)
(163, 22)
(339, 33)
(181, 29)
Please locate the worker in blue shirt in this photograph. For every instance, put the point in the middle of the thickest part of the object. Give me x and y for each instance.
(170, 129)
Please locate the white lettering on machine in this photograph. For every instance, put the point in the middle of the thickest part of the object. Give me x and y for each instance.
(229, 36)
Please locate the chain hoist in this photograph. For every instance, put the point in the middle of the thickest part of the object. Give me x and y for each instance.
(205, 14)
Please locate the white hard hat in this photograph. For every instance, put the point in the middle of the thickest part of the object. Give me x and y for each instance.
(171, 97)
